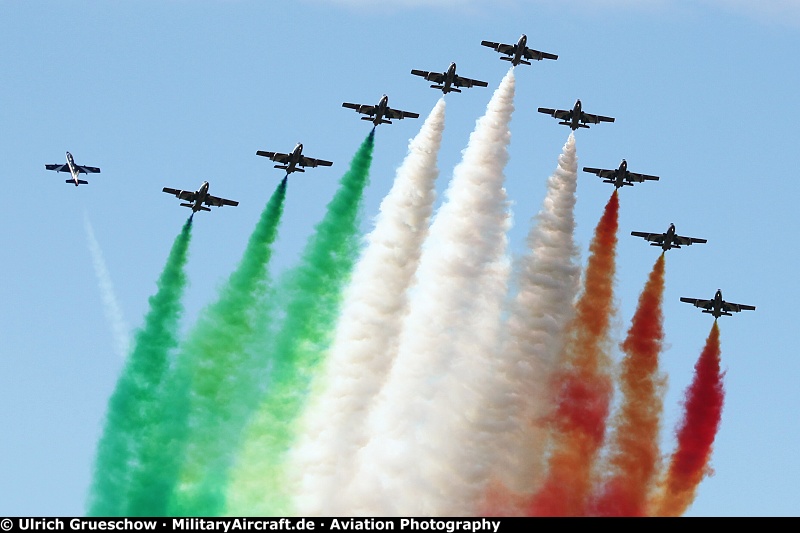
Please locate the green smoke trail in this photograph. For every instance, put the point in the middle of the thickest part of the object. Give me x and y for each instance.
(258, 483)
(156, 478)
(134, 403)
(223, 372)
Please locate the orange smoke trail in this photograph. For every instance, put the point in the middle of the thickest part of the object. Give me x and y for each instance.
(635, 458)
(583, 389)
(703, 412)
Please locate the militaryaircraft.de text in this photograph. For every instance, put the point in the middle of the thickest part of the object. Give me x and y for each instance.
(381, 113)
(519, 53)
(575, 118)
(290, 162)
(74, 169)
(196, 199)
(717, 306)
(448, 80)
(669, 239)
(620, 176)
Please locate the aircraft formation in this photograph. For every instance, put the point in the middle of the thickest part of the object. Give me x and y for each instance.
(448, 81)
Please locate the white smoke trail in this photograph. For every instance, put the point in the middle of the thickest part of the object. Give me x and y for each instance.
(367, 333)
(548, 280)
(420, 459)
(113, 311)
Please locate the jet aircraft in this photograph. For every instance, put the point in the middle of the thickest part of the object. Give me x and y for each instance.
(717, 306)
(667, 240)
(448, 80)
(381, 113)
(518, 53)
(289, 162)
(196, 199)
(575, 118)
(620, 176)
(74, 169)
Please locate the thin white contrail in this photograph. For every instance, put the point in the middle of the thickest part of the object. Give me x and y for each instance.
(548, 279)
(366, 337)
(427, 424)
(111, 307)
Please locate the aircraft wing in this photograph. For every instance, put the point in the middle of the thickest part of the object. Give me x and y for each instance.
(685, 241)
(360, 108)
(275, 156)
(601, 172)
(58, 168)
(633, 176)
(705, 304)
(728, 306)
(396, 113)
(502, 48)
(595, 119)
(530, 53)
(183, 195)
(651, 237)
(562, 114)
(436, 77)
(311, 162)
(459, 81)
(82, 169)
(217, 201)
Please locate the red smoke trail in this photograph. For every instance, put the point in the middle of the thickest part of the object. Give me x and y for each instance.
(703, 412)
(635, 458)
(583, 389)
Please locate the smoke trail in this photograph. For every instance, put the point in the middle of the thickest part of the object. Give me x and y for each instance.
(367, 332)
(259, 480)
(428, 430)
(548, 278)
(582, 388)
(134, 405)
(634, 459)
(703, 412)
(223, 375)
(119, 326)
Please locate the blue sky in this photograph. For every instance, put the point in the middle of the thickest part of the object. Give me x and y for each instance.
(173, 93)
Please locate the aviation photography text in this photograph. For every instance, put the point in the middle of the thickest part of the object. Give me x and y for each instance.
(248, 524)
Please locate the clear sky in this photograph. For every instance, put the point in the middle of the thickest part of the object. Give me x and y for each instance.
(171, 93)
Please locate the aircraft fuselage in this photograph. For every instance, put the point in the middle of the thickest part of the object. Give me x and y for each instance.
(72, 170)
(202, 192)
(520, 50)
(576, 116)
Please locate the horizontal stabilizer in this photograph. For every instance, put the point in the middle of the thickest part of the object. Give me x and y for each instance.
(437, 86)
(204, 208)
(505, 59)
(522, 61)
(284, 167)
(366, 118)
(386, 121)
(187, 205)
